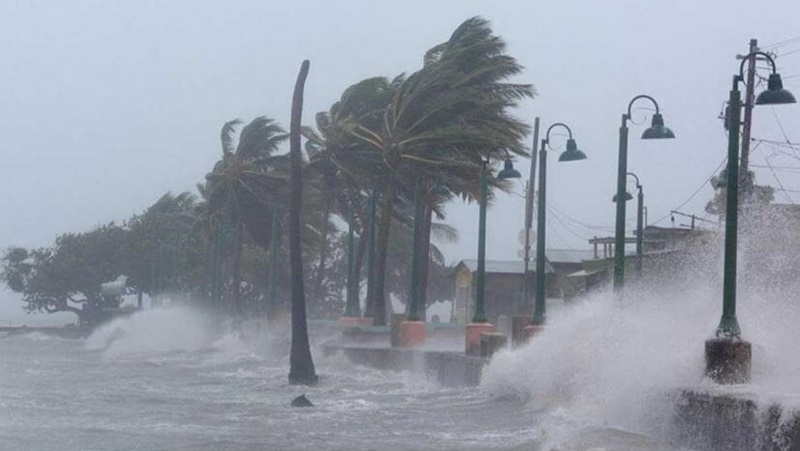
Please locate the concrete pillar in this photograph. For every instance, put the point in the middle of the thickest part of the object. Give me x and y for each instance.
(503, 324)
(492, 342)
(412, 334)
(394, 328)
(473, 337)
(532, 331)
(518, 325)
(728, 360)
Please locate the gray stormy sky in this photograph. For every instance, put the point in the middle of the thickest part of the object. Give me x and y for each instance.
(105, 106)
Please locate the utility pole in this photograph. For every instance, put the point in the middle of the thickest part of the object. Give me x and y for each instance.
(745, 183)
(529, 213)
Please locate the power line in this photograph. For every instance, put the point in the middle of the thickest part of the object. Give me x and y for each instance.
(780, 143)
(777, 168)
(789, 53)
(783, 131)
(781, 43)
(697, 191)
(782, 189)
(583, 224)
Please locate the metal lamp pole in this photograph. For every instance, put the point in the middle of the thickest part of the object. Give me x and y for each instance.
(727, 355)
(639, 226)
(639, 221)
(351, 297)
(775, 94)
(571, 154)
(508, 172)
(657, 130)
(413, 299)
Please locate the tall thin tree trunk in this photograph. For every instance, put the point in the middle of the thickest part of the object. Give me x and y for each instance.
(236, 288)
(425, 258)
(361, 252)
(301, 365)
(379, 296)
(371, 254)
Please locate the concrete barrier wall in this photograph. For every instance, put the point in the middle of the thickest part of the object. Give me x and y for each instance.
(723, 422)
(450, 369)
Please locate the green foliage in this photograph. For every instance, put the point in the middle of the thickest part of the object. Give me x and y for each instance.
(67, 276)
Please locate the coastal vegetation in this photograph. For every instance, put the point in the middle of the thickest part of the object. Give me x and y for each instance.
(432, 127)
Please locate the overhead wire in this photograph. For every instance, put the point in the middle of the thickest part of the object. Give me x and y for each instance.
(781, 43)
(775, 176)
(569, 229)
(695, 193)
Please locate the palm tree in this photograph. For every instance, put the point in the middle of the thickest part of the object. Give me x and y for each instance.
(443, 120)
(301, 364)
(243, 189)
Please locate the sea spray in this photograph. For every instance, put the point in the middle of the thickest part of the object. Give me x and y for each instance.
(620, 360)
(611, 362)
(150, 331)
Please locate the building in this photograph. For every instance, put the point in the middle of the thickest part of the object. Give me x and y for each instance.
(504, 285)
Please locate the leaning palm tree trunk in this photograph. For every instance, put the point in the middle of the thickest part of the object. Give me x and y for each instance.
(301, 365)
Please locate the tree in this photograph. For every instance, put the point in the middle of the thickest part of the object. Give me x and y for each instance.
(301, 364)
(441, 122)
(243, 190)
(165, 253)
(67, 276)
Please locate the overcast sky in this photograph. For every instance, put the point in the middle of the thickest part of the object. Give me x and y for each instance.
(106, 105)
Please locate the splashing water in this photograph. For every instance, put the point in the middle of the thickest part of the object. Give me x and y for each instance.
(153, 331)
(620, 362)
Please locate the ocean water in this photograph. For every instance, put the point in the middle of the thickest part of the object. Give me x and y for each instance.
(162, 380)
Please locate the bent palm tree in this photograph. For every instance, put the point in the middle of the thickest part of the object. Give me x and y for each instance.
(442, 121)
(301, 364)
(243, 189)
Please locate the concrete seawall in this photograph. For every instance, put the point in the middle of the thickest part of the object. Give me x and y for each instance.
(702, 421)
(733, 423)
(450, 369)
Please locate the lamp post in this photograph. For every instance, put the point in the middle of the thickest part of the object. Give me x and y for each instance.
(657, 130)
(352, 309)
(571, 154)
(479, 322)
(639, 221)
(727, 355)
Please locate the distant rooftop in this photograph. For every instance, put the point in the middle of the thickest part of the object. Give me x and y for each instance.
(504, 266)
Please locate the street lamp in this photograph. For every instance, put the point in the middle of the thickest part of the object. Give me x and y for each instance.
(639, 221)
(571, 154)
(657, 130)
(727, 355)
(479, 322)
(352, 309)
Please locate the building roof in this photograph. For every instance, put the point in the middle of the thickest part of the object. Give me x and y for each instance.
(557, 256)
(503, 266)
